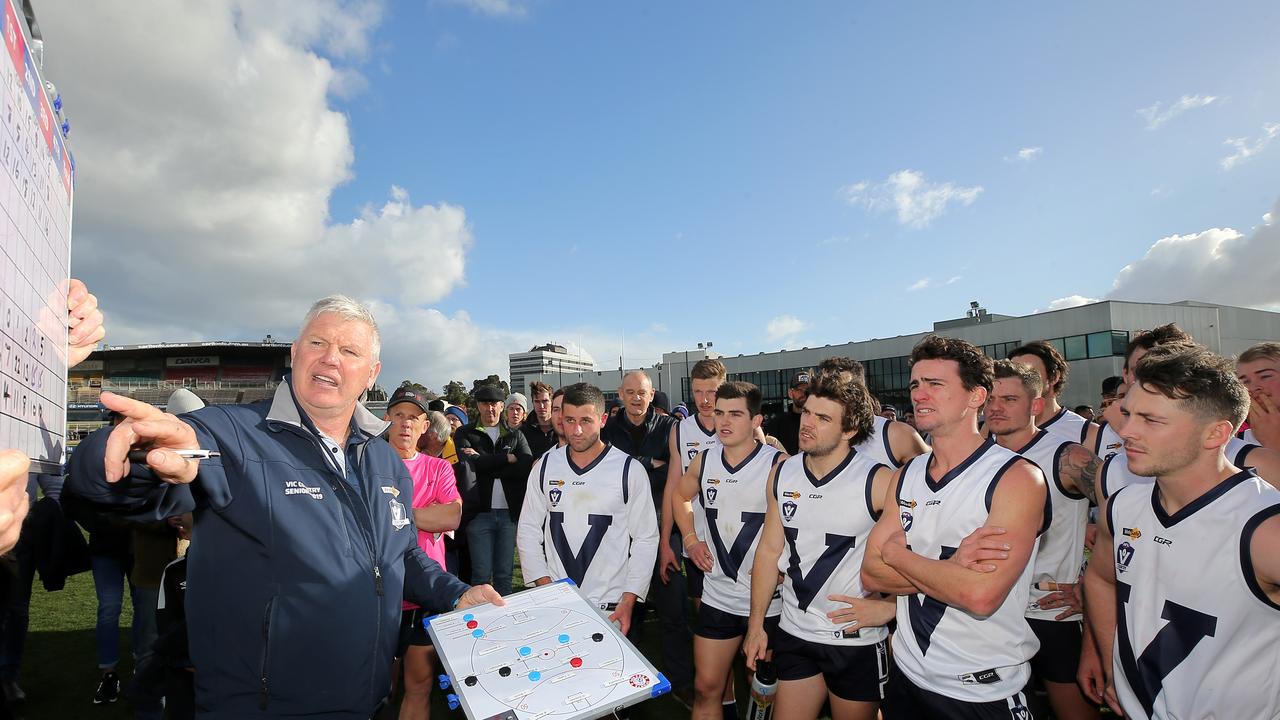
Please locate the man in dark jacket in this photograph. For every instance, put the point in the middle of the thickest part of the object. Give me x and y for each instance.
(500, 458)
(538, 430)
(642, 432)
(305, 542)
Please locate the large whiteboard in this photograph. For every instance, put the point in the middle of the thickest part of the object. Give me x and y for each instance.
(36, 181)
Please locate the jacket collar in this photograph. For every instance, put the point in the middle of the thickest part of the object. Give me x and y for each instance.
(284, 409)
(649, 417)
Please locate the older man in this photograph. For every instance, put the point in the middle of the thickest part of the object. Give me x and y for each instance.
(306, 546)
(499, 457)
(642, 432)
(437, 509)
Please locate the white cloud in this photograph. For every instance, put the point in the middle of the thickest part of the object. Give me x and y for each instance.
(924, 283)
(494, 8)
(1159, 114)
(1025, 155)
(916, 201)
(1244, 149)
(1070, 301)
(1219, 265)
(785, 329)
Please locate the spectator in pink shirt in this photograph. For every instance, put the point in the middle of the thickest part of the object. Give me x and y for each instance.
(437, 508)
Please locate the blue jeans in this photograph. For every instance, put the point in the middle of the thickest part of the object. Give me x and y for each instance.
(108, 584)
(492, 538)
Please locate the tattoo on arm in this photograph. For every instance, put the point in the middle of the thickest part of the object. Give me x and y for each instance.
(1080, 467)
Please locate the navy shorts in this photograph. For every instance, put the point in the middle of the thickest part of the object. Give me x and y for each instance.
(412, 631)
(716, 624)
(851, 672)
(1058, 658)
(904, 700)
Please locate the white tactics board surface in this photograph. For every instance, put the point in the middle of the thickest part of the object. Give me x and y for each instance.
(548, 653)
(36, 179)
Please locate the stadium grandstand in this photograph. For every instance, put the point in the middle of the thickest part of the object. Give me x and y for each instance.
(219, 372)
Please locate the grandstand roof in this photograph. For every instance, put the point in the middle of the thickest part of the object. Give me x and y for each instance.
(266, 349)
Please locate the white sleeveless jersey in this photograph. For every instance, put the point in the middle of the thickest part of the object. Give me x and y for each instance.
(1062, 546)
(1116, 474)
(1067, 425)
(1196, 637)
(1109, 442)
(1247, 436)
(876, 446)
(735, 502)
(945, 649)
(590, 513)
(826, 522)
(691, 440)
(1237, 452)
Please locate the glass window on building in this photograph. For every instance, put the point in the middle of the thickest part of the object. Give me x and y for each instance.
(1076, 348)
(1119, 342)
(1100, 344)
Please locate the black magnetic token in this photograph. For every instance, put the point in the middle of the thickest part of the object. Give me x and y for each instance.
(471, 681)
(504, 671)
(597, 637)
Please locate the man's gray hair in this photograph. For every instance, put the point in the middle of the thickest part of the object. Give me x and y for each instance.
(439, 424)
(346, 308)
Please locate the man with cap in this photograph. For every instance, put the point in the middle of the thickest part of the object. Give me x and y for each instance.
(437, 509)
(786, 425)
(496, 454)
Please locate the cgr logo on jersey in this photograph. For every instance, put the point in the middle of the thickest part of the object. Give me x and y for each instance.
(907, 519)
(1131, 533)
(789, 510)
(1124, 554)
(554, 496)
(1163, 541)
(711, 496)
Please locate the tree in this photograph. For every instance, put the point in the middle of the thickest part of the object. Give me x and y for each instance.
(491, 380)
(422, 390)
(455, 393)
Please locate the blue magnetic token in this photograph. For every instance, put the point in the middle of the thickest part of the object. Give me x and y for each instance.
(535, 676)
(524, 651)
(563, 638)
(468, 617)
(477, 633)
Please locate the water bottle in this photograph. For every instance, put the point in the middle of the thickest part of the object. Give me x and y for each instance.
(764, 685)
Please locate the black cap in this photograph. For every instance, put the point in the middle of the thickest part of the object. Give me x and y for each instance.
(408, 395)
(1110, 384)
(891, 408)
(801, 378)
(489, 393)
(661, 401)
(436, 405)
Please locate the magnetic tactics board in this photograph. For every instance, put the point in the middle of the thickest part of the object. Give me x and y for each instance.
(548, 653)
(36, 180)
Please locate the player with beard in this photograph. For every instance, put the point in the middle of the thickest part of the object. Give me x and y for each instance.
(891, 442)
(1185, 597)
(831, 643)
(1054, 612)
(587, 514)
(730, 479)
(1053, 369)
(557, 420)
(963, 645)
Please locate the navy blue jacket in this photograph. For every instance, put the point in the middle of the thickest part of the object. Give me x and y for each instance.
(295, 573)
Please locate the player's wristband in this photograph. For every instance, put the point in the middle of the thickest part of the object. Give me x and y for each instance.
(685, 539)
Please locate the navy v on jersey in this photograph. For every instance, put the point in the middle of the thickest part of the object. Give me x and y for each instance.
(826, 522)
(1196, 636)
(595, 525)
(944, 649)
(735, 502)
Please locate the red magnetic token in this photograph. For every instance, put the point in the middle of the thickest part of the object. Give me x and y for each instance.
(472, 625)
(576, 662)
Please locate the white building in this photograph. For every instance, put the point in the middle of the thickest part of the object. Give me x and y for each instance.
(1091, 337)
(548, 360)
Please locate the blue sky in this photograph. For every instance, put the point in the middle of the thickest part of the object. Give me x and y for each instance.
(769, 174)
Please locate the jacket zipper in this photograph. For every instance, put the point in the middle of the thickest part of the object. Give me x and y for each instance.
(266, 641)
